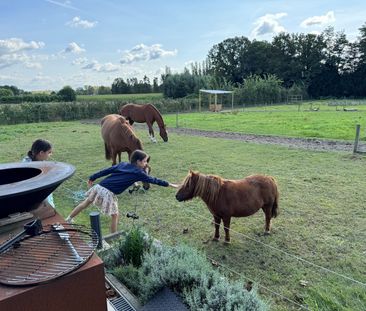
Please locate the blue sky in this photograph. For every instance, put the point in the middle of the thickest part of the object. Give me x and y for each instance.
(47, 44)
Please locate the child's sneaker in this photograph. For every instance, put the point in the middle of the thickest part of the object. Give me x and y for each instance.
(69, 220)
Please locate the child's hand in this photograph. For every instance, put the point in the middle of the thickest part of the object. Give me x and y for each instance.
(90, 183)
(173, 185)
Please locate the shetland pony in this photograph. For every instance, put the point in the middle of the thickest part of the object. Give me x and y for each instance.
(226, 198)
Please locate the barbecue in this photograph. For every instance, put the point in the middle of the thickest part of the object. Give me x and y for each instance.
(45, 263)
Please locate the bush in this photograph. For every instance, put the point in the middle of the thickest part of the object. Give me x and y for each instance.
(187, 272)
(134, 246)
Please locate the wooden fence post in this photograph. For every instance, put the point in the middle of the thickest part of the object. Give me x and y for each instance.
(357, 138)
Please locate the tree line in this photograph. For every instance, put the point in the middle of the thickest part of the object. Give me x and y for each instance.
(313, 65)
(317, 65)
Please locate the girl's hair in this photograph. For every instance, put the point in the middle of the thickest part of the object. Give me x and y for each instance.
(138, 155)
(38, 146)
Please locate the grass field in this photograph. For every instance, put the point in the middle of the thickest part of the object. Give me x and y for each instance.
(120, 97)
(282, 120)
(316, 254)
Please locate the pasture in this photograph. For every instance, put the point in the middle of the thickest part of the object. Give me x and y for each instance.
(315, 255)
(121, 97)
(282, 120)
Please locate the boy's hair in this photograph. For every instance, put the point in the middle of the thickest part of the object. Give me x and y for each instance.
(138, 155)
(38, 146)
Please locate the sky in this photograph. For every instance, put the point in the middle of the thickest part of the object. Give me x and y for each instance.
(48, 44)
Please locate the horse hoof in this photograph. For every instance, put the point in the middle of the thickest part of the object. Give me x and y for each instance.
(227, 242)
(267, 233)
(215, 239)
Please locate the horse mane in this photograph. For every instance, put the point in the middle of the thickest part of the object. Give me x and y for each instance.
(159, 120)
(207, 186)
(128, 132)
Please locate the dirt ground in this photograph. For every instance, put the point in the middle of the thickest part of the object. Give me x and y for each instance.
(303, 143)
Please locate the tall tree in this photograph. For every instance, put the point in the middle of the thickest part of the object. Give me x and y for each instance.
(228, 59)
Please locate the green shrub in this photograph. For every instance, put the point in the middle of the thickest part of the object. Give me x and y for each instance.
(188, 272)
(133, 247)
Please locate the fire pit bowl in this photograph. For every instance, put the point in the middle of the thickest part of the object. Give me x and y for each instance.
(24, 185)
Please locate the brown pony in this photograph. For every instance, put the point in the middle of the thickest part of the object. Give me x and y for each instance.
(226, 198)
(145, 113)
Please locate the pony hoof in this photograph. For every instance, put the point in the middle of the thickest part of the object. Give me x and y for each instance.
(215, 239)
(267, 233)
(227, 242)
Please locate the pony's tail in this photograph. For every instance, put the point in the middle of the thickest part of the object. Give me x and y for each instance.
(107, 152)
(275, 209)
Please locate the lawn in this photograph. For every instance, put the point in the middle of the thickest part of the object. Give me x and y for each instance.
(120, 97)
(282, 120)
(316, 254)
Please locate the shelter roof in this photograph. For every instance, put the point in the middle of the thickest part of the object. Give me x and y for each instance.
(216, 91)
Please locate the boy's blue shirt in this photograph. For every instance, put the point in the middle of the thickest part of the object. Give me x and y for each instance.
(123, 175)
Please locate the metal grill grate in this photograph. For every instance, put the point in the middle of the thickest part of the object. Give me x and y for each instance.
(121, 304)
(58, 250)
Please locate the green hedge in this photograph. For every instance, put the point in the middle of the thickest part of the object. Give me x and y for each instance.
(67, 111)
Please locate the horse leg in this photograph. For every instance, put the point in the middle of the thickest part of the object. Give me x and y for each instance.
(268, 215)
(226, 222)
(114, 157)
(119, 157)
(151, 132)
(217, 221)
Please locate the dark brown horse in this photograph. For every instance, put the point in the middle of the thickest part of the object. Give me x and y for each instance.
(119, 137)
(227, 198)
(145, 114)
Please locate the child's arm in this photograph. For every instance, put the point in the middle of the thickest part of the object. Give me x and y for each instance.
(103, 172)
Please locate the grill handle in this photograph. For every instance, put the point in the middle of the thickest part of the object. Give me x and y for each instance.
(31, 228)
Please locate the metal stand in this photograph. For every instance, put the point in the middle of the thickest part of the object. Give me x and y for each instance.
(95, 224)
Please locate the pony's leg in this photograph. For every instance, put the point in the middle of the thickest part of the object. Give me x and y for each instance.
(226, 222)
(217, 221)
(268, 216)
(151, 132)
(119, 157)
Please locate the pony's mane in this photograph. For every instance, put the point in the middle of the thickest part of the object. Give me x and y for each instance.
(207, 186)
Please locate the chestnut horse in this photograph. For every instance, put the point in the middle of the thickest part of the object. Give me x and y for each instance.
(145, 114)
(226, 198)
(118, 137)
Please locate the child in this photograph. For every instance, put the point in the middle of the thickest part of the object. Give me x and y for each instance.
(120, 177)
(41, 150)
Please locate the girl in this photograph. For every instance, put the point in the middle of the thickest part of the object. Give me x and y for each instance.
(41, 150)
(120, 177)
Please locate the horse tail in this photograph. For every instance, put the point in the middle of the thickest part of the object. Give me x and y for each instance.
(275, 209)
(107, 152)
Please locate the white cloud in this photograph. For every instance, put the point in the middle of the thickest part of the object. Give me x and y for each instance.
(318, 20)
(79, 61)
(268, 24)
(14, 45)
(96, 66)
(77, 22)
(143, 52)
(73, 48)
(13, 51)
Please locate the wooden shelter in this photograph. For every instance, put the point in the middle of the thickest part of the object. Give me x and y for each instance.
(215, 106)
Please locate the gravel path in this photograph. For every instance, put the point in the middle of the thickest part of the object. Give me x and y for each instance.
(303, 143)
